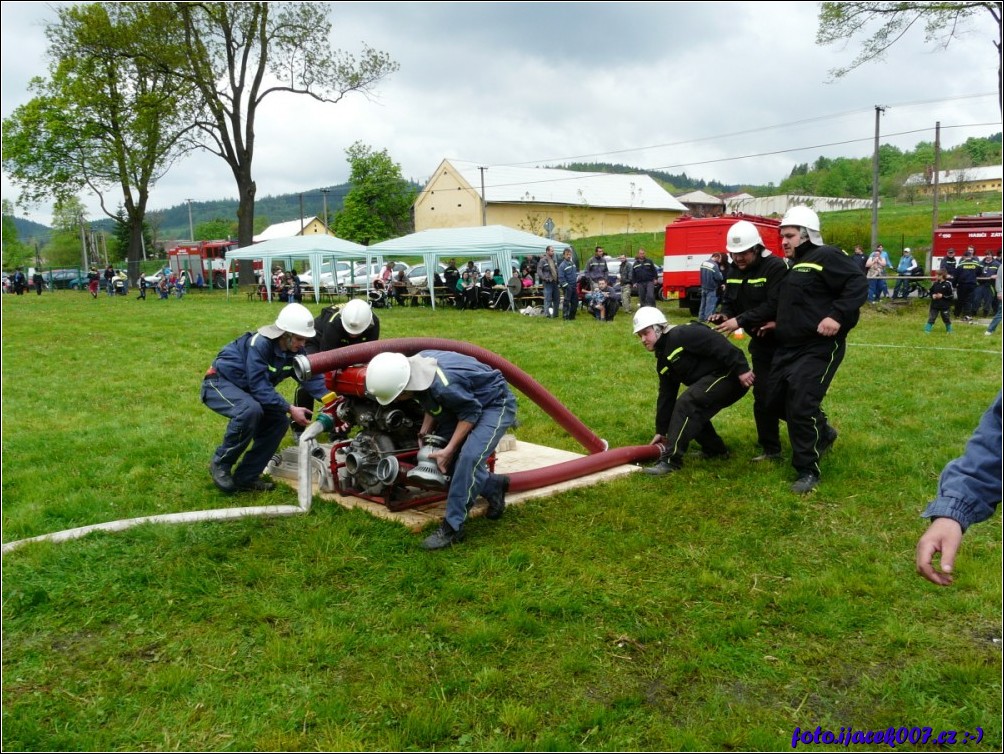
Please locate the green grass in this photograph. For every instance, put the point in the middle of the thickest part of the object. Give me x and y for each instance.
(709, 610)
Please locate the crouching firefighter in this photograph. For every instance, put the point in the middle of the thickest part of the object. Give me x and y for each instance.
(470, 405)
(715, 372)
(241, 385)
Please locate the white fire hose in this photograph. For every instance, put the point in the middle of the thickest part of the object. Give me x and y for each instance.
(304, 498)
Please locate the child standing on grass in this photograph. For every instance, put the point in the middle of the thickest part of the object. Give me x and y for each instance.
(942, 295)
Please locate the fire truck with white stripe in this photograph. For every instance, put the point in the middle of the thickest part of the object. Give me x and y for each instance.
(691, 240)
(204, 261)
(982, 232)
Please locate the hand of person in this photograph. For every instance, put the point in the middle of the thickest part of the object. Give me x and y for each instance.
(726, 326)
(300, 415)
(658, 440)
(443, 459)
(716, 318)
(747, 378)
(765, 328)
(828, 327)
(944, 535)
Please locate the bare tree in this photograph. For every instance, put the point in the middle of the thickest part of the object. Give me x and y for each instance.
(943, 22)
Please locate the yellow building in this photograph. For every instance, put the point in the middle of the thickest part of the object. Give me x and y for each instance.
(308, 226)
(561, 204)
(961, 181)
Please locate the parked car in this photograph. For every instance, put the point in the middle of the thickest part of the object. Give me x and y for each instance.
(364, 275)
(417, 276)
(62, 279)
(154, 279)
(333, 274)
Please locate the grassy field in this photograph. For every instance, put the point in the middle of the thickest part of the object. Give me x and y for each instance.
(709, 610)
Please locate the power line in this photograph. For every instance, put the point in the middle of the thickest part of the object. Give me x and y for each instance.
(579, 175)
(818, 146)
(830, 117)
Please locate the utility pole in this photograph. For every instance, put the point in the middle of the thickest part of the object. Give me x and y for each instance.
(934, 213)
(875, 177)
(324, 193)
(83, 245)
(191, 228)
(484, 199)
(301, 213)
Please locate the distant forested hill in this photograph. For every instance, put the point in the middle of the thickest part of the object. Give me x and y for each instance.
(173, 221)
(29, 231)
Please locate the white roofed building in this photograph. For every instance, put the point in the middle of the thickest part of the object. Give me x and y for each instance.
(702, 204)
(308, 226)
(960, 181)
(574, 204)
(778, 205)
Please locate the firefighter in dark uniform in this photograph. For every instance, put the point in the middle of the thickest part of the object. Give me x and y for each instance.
(819, 303)
(949, 262)
(241, 385)
(715, 372)
(967, 277)
(752, 287)
(337, 327)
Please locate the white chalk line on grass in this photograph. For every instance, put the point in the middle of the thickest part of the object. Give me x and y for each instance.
(923, 348)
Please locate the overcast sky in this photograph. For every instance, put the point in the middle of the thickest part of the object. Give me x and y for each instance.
(700, 88)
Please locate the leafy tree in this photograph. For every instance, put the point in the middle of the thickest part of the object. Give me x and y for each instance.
(982, 151)
(236, 54)
(943, 22)
(64, 247)
(15, 253)
(378, 206)
(890, 159)
(213, 230)
(122, 235)
(104, 120)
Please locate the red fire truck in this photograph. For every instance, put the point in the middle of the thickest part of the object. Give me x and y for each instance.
(690, 240)
(205, 261)
(982, 232)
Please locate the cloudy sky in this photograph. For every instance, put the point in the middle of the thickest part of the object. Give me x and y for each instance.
(735, 92)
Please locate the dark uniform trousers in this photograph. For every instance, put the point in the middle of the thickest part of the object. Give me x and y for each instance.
(691, 419)
(250, 422)
(470, 475)
(767, 430)
(799, 381)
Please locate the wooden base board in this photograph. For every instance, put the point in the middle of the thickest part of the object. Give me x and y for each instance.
(511, 456)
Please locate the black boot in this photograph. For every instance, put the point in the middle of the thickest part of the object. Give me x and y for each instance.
(496, 502)
(221, 478)
(444, 536)
(661, 468)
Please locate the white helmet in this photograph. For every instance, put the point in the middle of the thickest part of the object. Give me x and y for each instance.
(742, 236)
(386, 376)
(356, 316)
(802, 217)
(295, 319)
(647, 316)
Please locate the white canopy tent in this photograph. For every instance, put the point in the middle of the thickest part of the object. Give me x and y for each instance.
(495, 241)
(315, 248)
